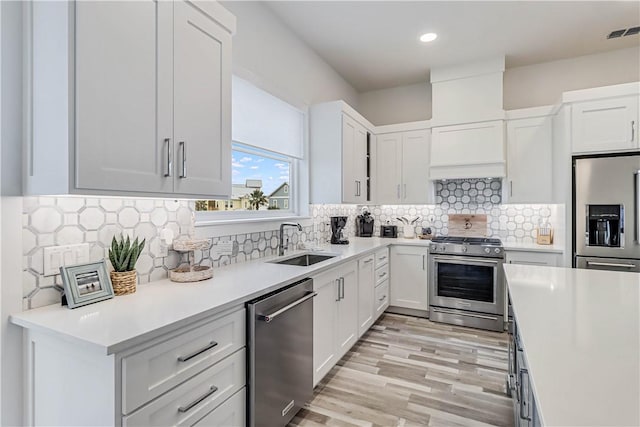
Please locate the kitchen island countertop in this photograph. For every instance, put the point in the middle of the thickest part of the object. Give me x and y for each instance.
(580, 330)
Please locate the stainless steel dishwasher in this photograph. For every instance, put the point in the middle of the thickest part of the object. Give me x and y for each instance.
(280, 343)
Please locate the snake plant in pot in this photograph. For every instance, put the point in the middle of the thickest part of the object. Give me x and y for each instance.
(123, 255)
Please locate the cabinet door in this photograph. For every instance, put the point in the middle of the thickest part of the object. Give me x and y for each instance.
(409, 283)
(348, 309)
(529, 160)
(605, 125)
(202, 103)
(366, 283)
(388, 168)
(325, 326)
(381, 298)
(416, 187)
(354, 160)
(123, 95)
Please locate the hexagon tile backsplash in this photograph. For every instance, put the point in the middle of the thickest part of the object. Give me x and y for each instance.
(49, 221)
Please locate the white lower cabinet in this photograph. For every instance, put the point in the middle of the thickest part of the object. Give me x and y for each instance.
(409, 280)
(231, 413)
(195, 375)
(335, 317)
(366, 285)
(381, 298)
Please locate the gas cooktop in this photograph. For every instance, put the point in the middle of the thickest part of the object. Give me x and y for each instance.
(474, 246)
(467, 240)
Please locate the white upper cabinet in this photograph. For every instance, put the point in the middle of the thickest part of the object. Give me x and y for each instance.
(123, 95)
(530, 167)
(402, 168)
(145, 99)
(339, 154)
(605, 125)
(202, 103)
(473, 150)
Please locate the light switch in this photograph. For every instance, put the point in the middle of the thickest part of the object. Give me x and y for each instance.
(66, 255)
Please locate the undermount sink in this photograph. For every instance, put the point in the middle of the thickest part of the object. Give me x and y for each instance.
(304, 260)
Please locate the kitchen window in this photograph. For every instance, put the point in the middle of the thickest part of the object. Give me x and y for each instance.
(266, 159)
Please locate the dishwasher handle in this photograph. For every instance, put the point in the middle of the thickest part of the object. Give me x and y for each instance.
(269, 317)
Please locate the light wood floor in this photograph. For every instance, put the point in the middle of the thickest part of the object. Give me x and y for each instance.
(408, 371)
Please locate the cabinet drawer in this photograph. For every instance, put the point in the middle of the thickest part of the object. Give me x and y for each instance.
(190, 401)
(533, 258)
(382, 257)
(230, 414)
(381, 274)
(157, 369)
(382, 298)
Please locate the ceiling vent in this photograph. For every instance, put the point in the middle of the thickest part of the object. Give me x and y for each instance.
(623, 33)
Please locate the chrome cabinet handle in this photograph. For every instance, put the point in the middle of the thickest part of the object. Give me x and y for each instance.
(405, 191)
(384, 273)
(368, 260)
(342, 288)
(183, 145)
(638, 206)
(167, 147)
(423, 260)
(338, 284)
(269, 317)
(382, 258)
(398, 192)
(209, 392)
(633, 130)
(382, 298)
(197, 352)
(511, 188)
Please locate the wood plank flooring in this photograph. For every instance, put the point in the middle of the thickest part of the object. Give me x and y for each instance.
(408, 371)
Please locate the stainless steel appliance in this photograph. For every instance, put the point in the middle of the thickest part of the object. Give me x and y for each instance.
(280, 337)
(338, 223)
(606, 216)
(466, 282)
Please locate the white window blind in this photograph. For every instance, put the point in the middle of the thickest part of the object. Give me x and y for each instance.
(264, 121)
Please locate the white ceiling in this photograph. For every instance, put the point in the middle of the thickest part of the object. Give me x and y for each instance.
(374, 44)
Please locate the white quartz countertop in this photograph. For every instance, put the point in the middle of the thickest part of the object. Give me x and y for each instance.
(532, 247)
(159, 307)
(580, 330)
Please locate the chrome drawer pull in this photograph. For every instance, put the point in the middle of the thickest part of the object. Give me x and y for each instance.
(269, 317)
(368, 260)
(209, 392)
(184, 159)
(167, 142)
(197, 352)
(382, 274)
(382, 298)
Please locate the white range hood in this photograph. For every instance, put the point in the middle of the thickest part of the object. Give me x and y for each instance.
(468, 121)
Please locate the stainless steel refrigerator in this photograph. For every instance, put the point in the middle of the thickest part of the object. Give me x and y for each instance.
(606, 216)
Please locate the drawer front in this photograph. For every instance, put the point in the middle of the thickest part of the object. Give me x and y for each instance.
(533, 258)
(191, 401)
(382, 257)
(231, 413)
(157, 369)
(382, 298)
(382, 274)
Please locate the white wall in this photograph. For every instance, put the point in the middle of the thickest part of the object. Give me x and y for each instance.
(10, 212)
(269, 55)
(543, 84)
(528, 86)
(397, 105)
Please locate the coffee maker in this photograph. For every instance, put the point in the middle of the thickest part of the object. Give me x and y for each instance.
(337, 225)
(364, 224)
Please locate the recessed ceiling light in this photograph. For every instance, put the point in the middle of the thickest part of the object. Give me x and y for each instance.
(428, 37)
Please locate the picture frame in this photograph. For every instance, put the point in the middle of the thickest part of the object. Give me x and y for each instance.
(86, 283)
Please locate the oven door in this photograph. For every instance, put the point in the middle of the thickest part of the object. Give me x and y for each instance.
(466, 283)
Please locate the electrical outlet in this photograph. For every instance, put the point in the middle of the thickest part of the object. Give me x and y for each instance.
(65, 255)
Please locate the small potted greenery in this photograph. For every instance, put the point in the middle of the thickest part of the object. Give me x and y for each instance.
(123, 255)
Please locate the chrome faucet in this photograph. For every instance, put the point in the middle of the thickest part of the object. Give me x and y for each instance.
(281, 245)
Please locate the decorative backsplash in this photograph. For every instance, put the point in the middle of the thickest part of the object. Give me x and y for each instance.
(49, 221)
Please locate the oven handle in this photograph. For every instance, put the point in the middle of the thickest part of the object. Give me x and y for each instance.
(466, 260)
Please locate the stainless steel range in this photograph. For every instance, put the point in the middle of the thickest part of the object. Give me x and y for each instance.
(466, 282)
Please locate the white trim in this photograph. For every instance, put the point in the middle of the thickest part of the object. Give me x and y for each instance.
(601, 92)
(403, 127)
(207, 229)
(529, 113)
